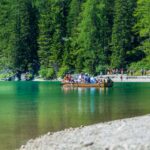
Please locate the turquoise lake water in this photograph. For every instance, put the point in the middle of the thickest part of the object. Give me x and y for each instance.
(31, 109)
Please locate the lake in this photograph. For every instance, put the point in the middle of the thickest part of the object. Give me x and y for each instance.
(31, 109)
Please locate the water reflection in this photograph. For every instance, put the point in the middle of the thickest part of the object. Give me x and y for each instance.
(18, 115)
(106, 104)
(87, 96)
(26, 111)
(30, 109)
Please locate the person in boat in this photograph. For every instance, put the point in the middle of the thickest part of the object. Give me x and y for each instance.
(121, 77)
(93, 80)
(86, 78)
(100, 81)
(81, 78)
(109, 80)
(68, 78)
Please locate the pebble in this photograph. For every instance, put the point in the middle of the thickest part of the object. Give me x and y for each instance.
(88, 144)
(133, 132)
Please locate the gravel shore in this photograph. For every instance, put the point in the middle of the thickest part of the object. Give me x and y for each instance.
(125, 134)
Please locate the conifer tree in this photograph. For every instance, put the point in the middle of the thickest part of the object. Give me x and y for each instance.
(93, 37)
(122, 32)
(25, 40)
(51, 35)
(72, 19)
(73, 16)
(58, 36)
(6, 33)
(59, 33)
(44, 40)
(143, 24)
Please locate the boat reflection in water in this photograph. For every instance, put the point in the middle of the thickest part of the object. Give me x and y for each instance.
(87, 97)
(88, 85)
(31, 109)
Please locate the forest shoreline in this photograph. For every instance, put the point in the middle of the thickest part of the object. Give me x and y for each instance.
(131, 133)
(82, 35)
(117, 78)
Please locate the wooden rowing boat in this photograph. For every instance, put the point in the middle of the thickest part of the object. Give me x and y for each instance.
(88, 85)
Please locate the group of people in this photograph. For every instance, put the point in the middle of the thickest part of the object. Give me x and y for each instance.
(68, 78)
(85, 78)
(143, 72)
(122, 71)
(114, 71)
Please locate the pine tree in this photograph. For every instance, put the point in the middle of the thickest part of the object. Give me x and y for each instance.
(109, 20)
(143, 24)
(44, 40)
(6, 33)
(59, 33)
(73, 16)
(142, 27)
(122, 32)
(25, 43)
(92, 38)
(51, 36)
(74, 9)
(73, 35)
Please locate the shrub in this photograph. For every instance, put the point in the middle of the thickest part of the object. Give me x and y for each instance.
(101, 69)
(6, 75)
(47, 73)
(50, 73)
(143, 64)
(62, 71)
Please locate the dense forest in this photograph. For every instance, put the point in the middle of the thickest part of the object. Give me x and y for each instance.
(52, 37)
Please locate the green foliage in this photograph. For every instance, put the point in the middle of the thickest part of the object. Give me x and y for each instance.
(57, 36)
(18, 35)
(6, 33)
(51, 35)
(73, 16)
(93, 36)
(122, 35)
(63, 70)
(145, 64)
(47, 73)
(74, 9)
(50, 73)
(25, 45)
(6, 75)
(143, 18)
(143, 24)
(142, 27)
(101, 69)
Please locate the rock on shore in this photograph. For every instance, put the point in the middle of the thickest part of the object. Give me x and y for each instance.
(126, 134)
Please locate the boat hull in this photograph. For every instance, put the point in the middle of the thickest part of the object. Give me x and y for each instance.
(88, 85)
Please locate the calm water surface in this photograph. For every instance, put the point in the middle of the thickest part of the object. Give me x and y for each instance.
(30, 109)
